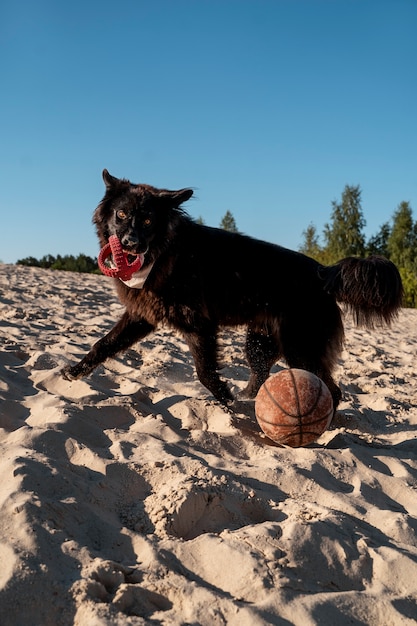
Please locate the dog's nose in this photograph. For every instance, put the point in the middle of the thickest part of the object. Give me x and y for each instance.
(130, 241)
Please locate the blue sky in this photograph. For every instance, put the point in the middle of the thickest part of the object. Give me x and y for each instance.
(267, 108)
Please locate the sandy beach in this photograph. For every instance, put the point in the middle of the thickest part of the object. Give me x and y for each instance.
(133, 497)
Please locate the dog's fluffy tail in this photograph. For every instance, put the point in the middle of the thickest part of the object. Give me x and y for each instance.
(370, 288)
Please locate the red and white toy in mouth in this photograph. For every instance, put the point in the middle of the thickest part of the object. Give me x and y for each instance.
(119, 265)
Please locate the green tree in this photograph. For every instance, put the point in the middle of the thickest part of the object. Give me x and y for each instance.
(29, 261)
(378, 244)
(47, 261)
(402, 249)
(228, 222)
(402, 242)
(409, 280)
(81, 263)
(60, 262)
(311, 246)
(344, 235)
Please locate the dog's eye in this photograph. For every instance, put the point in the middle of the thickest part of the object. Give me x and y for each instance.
(147, 222)
(121, 215)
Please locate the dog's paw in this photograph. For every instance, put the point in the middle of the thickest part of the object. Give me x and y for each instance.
(224, 395)
(69, 373)
(227, 402)
(249, 393)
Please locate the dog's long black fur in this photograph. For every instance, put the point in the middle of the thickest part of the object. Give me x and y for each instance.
(205, 278)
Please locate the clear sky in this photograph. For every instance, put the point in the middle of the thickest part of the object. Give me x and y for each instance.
(267, 108)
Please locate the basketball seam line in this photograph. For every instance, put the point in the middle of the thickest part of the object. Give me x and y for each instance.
(299, 417)
(296, 415)
(288, 426)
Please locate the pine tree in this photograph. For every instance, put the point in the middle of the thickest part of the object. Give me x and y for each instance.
(311, 246)
(402, 242)
(344, 235)
(402, 248)
(81, 263)
(228, 222)
(378, 244)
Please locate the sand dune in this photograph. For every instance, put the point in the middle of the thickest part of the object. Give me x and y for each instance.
(132, 497)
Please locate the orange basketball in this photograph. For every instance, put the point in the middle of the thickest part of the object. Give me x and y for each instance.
(294, 407)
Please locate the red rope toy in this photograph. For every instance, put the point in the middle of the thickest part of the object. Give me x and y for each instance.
(123, 269)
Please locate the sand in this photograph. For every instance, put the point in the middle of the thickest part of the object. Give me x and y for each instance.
(133, 497)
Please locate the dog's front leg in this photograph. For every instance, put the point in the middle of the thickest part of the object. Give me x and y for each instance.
(122, 336)
(203, 348)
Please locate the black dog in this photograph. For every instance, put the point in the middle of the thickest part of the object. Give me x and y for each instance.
(197, 279)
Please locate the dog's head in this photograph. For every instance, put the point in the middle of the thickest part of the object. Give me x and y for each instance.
(143, 217)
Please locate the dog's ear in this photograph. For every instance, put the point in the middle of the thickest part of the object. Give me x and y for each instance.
(109, 180)
(175, 198)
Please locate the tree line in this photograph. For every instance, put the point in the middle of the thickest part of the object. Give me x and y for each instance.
(69, 263)
(344, 236)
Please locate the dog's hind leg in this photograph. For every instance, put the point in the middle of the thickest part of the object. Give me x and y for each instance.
(122, 336)
(315, 348)
(203, 348)
(322, 371)
(262, 351)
